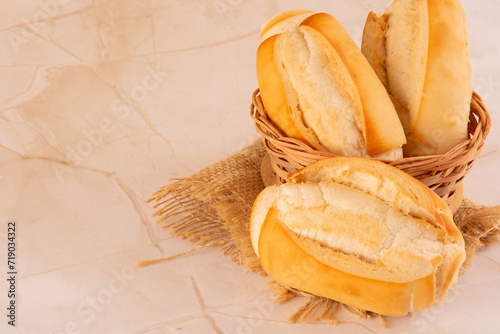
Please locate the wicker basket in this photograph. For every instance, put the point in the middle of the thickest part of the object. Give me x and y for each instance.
(442, 173)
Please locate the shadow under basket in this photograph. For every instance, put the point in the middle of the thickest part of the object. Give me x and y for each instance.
(442, 173)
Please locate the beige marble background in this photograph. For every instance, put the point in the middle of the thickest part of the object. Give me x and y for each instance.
(102, 102)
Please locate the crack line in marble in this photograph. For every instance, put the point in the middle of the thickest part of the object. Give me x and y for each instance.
(153, 28)
(359, 324)
(143, 115)
(208, 45)
(49, 19)
(38, 84)
(54, 145)
(207, 316)
(100, 33)
(59, 46)
(488, 258)
(474, 285)
(99, 42)
(9, 66)
(153, 165)
(284, 321)
(86, 262)
(139, 209)
(176, 321)
(254, 299)
(30, 87)
(21, 157)
(486, 154)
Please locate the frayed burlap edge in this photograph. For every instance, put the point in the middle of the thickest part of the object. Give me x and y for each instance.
(212, 208)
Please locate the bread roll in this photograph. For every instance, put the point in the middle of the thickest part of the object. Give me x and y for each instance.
(419, 50)
(317, 86)
(284, 22)
(360, 232)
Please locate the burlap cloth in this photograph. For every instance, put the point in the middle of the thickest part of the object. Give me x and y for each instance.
(212, 208)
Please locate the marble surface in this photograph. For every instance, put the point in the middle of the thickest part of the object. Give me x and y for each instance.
(102, 102)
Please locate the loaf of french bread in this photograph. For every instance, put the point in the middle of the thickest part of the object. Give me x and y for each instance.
(419, 50)
(317, 87)
(360, 232)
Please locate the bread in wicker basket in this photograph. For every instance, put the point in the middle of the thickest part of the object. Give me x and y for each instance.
(442, 173)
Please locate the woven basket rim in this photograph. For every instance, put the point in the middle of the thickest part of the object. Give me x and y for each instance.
(443, 174)
(476, 138)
